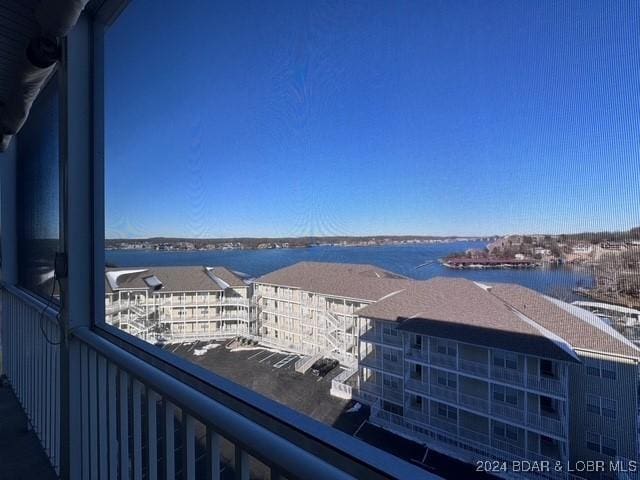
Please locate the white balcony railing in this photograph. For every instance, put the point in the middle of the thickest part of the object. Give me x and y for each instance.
(391, 366)
(374, 336)
(507, 412)
(417, 386)
(101, 410)
(340, 386)
(31, 362)
(418, 354)
(417, 415)
(443, 360)
(546, 424)
(473, 367)
(474, 435)
(372, 361)
(474, 402)
(468, 442)
(546, 384)
(507, 375)
(444, 393)
(371, 387)
(392, 339)
(392, 394)
(509, 448)
(445, 425)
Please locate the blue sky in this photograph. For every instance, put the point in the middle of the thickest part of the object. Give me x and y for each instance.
(298, 118)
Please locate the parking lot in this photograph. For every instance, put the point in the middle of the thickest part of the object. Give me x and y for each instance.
(273, 375)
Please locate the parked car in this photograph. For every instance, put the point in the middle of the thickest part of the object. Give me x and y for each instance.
(324, 366)
(317, 365)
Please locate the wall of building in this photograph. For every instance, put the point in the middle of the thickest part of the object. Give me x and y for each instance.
(181, 315)
(307, 322)
(426, 399)
(624, 389)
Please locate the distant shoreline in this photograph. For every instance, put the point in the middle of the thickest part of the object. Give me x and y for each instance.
(365, 242)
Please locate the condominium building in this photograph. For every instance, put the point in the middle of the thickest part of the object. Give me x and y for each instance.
(475, 371)
(499, 372)
(310, 307)
(178, 303)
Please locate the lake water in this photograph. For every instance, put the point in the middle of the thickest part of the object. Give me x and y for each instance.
(402, 259)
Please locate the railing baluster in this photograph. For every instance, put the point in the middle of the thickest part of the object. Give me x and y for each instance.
(124, 425)
(169, 441)
(136, 413)
(84, 395)
(103, 439)
(152, 435)
(241, 464)
(56, 405)
(188, 447)
(213, 455)
(93, 413)
(112, 420)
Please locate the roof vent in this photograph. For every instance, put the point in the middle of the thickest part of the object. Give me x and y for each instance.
(153, 283)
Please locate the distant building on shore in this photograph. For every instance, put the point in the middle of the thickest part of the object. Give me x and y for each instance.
(465, 262)
(582, 249)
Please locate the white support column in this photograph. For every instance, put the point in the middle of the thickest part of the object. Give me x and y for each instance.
(77, 233)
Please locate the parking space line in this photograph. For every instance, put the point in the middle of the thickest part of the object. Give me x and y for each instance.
(355, 434)
(265, 353)
(284, 361)
(255, 354)
(267, 358)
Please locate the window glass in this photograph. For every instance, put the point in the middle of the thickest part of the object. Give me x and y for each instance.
(593, 404)
(593, 441)
(339, 179)
(609, 446)
(608, 370)
(593, 366)
(38, 194)
(609, 408)
(511, 396)
(512, 433)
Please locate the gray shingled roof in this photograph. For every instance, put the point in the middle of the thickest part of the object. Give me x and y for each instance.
(356, 281)
(581, 329)
(461, 310)
(178, 279)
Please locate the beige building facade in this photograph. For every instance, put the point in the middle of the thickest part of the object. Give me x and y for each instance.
(178, 303)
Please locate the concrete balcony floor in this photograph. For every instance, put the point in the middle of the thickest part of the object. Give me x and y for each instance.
(21, 455)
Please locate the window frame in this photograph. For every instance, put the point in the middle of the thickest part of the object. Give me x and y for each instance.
(592, 441)
(594, 408)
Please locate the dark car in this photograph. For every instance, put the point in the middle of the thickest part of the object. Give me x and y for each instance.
(318, 364)
(323, 366)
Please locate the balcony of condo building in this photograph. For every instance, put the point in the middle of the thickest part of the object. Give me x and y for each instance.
(500, 372)
(472, 370)
(178, 303)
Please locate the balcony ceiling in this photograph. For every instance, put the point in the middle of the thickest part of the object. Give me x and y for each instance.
(17, 26)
